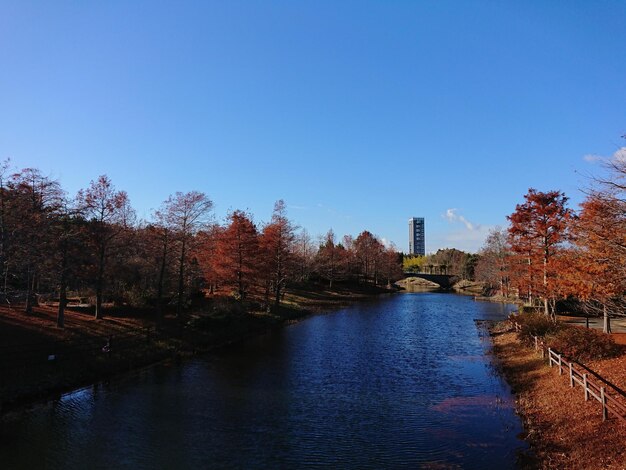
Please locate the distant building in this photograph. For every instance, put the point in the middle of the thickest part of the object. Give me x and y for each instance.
(417, 241)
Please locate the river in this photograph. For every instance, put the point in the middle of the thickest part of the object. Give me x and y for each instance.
(402, 381)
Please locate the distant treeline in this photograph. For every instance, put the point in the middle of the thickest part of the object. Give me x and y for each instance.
(445, 261)
(92, 246)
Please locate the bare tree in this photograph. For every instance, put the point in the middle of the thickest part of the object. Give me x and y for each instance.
(492, 267)
(305, 253)
(110, 214)
(185, 214)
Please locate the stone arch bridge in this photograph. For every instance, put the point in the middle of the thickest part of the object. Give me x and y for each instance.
(445, 281)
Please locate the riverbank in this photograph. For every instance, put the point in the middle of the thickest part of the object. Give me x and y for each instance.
(399, 381)
(40, 361)
(562, 429)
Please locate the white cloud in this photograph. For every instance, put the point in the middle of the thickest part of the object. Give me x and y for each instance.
(620, 155)
(592, 158)
(452, 216)
(467, 240)
(468, 236)
(386, 242)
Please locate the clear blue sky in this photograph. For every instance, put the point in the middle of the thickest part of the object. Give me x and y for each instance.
(359, 114)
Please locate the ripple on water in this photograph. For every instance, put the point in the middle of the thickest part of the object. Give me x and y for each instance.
(396, 383)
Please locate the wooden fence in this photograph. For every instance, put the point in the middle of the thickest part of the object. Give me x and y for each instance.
(611, 399)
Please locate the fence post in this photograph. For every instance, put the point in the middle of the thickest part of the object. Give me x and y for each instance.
(586, 387)
(543, 351)
(604, 410)
(550, 357)
(536, 346)
(571, 376)
(560, 365)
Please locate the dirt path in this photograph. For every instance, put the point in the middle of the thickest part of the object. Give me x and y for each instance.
(563, 430)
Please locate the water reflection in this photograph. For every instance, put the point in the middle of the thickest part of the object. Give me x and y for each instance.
(399, 382)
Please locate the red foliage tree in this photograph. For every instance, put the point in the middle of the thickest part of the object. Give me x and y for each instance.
(368, 250)
(538, 228)
(236, 253)
(206, 253)
(330, 259)
(600, 237)
(34, 201)
(391, 264)
(277, 250)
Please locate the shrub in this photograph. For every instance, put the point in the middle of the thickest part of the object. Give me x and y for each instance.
(228, 306)
(529, 309)
(534, 324)
(583, 344)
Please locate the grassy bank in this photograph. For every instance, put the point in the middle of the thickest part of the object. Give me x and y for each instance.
(564, 430)
(39, 360)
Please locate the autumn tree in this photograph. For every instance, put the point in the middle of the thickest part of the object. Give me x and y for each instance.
(391, 264)
(205, 251)
(236, 252)
(35, 199)
(368, 250)
(537, 229)
(110, 214)
(4, 229)
(277, 247)
(352, 265)
(69, 232)
(159, 241)
(600, 237)
(453, 262)
(185, 214)
(304, 252)
(328, 261)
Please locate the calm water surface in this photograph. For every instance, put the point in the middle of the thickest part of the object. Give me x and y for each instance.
(399, 382)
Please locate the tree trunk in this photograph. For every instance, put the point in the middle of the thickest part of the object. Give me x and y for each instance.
(99, 286)
(607, 321)
(277, 299)
(530, 282)
(546, 310)
(159, 313)
(181, 280)
(267, 295)
(62, 288)
(29, 292)
(62, 304)
(5, 276)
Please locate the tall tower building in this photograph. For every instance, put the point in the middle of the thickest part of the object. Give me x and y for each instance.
(417, 241)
